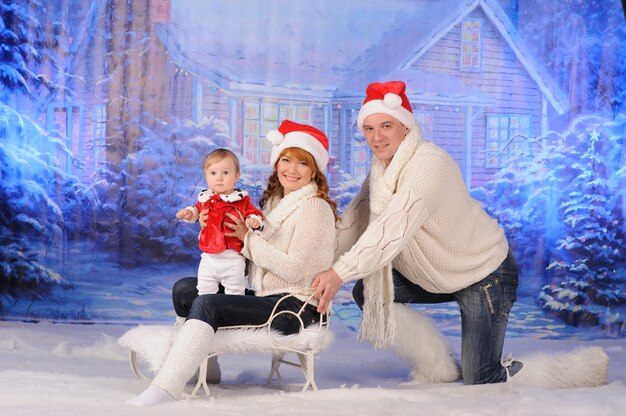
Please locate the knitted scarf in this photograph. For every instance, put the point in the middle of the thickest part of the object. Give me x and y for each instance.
(378, 324)
(276, 212)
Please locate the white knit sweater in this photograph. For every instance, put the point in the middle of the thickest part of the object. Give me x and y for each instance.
(447, 241)
(296, 244)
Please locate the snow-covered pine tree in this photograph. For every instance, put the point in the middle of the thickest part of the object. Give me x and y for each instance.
(163, 176)
(523, 196)
(41, 206)
(591, 285)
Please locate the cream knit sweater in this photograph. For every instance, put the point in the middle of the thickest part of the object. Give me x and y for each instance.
(296, 244)
(447, 241)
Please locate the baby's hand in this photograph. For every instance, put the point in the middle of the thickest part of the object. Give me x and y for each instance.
(184, 214)
(252, 223)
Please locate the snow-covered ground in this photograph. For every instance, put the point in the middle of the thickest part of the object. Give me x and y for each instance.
(65, 369)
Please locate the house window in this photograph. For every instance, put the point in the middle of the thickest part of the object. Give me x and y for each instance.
(99, 134)
(360, 151)
(261, 117)
(425, 120)
(506, 135)
(66, 121)
(471, 44)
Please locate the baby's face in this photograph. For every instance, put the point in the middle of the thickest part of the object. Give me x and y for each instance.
(222, 176)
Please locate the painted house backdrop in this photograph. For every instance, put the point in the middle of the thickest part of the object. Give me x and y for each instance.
(108, 108)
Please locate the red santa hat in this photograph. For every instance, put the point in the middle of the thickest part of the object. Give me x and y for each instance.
(387, 98)
(290, 134)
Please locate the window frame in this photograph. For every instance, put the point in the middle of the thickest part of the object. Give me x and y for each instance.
(260, 116)
(471, 44)
(498, 148)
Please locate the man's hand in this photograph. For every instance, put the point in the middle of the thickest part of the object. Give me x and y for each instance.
(326, 285)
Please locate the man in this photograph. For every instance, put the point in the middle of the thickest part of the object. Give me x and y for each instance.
(414, 235)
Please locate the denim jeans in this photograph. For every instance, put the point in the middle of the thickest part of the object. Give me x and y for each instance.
(485, 308)
(219, 310)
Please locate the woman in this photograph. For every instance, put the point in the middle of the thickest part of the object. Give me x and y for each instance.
(280, 255)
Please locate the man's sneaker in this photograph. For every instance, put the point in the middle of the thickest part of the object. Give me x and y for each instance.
(511, 366)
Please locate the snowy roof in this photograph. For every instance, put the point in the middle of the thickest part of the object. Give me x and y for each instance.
(502, 23)
(327, 49)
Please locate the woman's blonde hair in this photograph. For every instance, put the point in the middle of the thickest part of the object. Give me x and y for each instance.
(275, 189)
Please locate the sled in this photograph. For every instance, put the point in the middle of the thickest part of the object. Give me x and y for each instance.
(149, 345)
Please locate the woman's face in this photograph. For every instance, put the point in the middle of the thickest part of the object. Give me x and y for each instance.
(293, 173)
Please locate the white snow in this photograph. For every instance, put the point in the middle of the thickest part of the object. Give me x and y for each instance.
(69, 369)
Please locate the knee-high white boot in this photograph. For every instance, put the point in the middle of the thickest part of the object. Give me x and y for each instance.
(191, 346)
(214, 372)
(421, 344)
(583, 367)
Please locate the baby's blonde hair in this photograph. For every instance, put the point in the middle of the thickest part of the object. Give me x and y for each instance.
(218, 155)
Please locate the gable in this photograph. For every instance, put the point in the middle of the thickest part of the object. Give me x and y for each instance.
(496, 17)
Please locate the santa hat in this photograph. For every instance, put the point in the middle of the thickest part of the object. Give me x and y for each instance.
(308, 138)
(387, 98)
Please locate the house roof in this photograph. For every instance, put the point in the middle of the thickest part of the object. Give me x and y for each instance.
(328, 50)
(502, 23)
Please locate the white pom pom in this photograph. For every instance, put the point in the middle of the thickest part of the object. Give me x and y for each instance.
(275, 137)
(392, 101)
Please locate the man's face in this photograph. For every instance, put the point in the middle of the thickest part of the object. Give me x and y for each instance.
(384, 134)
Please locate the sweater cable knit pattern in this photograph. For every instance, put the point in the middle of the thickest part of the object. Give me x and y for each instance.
(431, 230)
(295, 227)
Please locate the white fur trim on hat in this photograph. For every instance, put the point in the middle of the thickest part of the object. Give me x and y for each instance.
(304, 141)
(391, 105)
(275, 137)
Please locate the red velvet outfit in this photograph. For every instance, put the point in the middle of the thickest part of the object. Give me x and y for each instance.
(221, 260)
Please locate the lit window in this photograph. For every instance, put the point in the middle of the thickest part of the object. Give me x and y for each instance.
(261, 117)
(506, 135)
(471, 45)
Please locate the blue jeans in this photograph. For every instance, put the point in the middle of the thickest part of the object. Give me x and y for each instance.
(485, 308)
(219, 310)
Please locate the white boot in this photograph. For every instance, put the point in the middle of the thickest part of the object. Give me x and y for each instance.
(583, 367)
(421, 344)
(213, 372)
(191, 346)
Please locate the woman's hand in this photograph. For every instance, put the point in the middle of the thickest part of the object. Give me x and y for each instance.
(238, 226)
(203, 216)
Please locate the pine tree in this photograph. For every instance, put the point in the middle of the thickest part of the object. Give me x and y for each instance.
(23, 45)
(41, 206)
(592, 286)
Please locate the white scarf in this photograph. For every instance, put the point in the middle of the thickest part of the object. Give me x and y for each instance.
(276, 212)
(378, 324)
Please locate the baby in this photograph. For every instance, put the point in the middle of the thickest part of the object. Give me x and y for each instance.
(221, 260)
